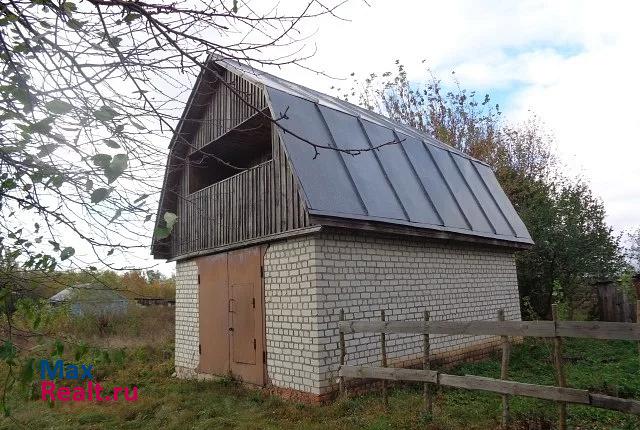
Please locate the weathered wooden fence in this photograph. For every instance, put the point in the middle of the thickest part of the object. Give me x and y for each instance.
(555, 330)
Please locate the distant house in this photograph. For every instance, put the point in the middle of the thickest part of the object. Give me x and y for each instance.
(91, 299)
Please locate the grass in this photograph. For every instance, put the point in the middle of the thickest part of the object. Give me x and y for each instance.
(165, 402)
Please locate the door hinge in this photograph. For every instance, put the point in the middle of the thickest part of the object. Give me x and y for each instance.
(253, 302)
(262, 271)
(198, 279)
(200, 349)
(264, 357)
(254, 344)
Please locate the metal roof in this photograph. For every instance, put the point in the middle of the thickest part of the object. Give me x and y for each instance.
(419, 182)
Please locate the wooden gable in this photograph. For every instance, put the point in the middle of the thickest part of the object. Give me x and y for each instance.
(228, 177)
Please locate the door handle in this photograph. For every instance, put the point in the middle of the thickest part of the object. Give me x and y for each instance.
(231, 305)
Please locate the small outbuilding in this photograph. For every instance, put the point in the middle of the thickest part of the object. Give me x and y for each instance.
(91, 299)
(292, 205)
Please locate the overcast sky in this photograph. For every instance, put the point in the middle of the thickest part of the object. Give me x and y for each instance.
(575, 64)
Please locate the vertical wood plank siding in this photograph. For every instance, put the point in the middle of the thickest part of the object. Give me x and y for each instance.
(229, 106)
(257, 202)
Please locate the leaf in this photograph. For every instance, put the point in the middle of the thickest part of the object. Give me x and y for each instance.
(105, 113)
(130, 17)
(102, 160)
(58, 348)
(117, 167)
(138, 125)
(56, 245)
(74, 24)
(161, 233)
(99, 194)
(170, 218)
(67, 253)
(27, 371)
(116, 215)
(110, 251)
(47, 149)
(59, 107)
(89, 185)
(112, 143)
(141, 198)
(8, 351)
(147, 218)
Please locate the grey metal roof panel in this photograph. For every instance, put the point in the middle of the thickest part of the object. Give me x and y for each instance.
(419, 182)
(414, 183)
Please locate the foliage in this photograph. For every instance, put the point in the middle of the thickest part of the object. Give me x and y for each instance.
(573, 244)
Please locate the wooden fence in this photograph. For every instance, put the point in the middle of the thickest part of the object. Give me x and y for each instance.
(555, 330)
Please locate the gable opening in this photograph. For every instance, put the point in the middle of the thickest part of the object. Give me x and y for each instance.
(242, 148)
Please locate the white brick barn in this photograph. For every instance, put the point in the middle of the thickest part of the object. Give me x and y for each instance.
(280, 226)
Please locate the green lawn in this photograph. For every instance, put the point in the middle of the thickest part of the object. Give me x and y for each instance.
(167, 403)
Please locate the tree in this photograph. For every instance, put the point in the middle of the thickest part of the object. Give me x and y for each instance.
(89, 94)
(633, 252)
(573, 244)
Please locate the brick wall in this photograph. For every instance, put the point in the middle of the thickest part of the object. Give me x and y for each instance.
(363, 274)
(187, 336)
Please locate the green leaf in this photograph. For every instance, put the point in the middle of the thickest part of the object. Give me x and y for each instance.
(117, 167)
(112, 143)
(130, 17)
(8, 352)
(170, 218)
(27, 371)
(89, 185)
(47, 149)
(67, 253)
(74, 24)
(110, 251)
(56, 245)
(58, 348)
(105, 113)
(161, 233)
(147, 218)
(99, 194)
(59, 107)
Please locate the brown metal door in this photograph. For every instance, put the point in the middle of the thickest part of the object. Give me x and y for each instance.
(243, 323)
(213, 302)
(247, 320)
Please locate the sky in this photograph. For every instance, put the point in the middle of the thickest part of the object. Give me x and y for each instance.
(574, 64)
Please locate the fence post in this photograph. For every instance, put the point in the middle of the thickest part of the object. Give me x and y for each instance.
(426, 365)
(383, 342)
(343, 353)
(506, 352)
(562, 382)
(638, 322)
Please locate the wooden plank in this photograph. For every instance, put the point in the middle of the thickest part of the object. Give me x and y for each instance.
(560, 375)
(383, 350)
(343, 354)
(504, 369)
(583, 329)
(388, 373)
(598, 330)
(426, 365)
(570, 395)
(629, 406)
(506, 328)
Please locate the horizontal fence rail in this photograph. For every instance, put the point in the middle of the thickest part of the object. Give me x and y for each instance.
(555, 330)
(578, 329)
(546, 392)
